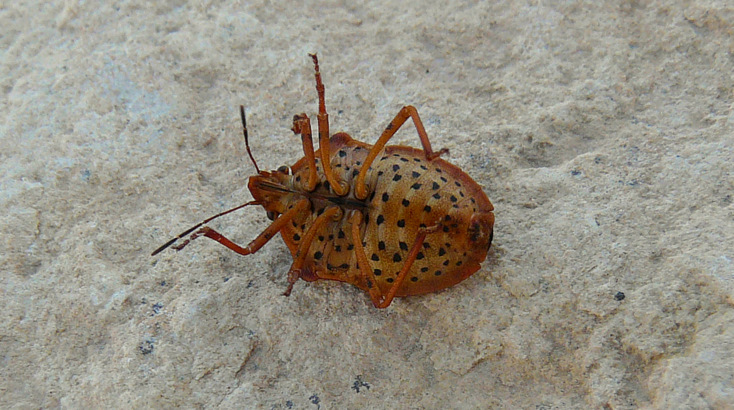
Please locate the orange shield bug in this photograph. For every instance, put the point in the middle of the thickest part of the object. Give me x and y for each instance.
(391, 220)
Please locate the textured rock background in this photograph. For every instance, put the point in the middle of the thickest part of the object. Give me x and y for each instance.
(603, 133)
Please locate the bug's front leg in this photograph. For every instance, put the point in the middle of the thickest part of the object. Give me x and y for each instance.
(302, 126)
(406, 112)
(256, 243)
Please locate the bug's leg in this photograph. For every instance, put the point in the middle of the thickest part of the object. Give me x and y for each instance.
(405, 113)
(412, 255)
(294, 273)
(188, 231)
(340, 187)
(302, 125)
(256, 243)
(368, 274)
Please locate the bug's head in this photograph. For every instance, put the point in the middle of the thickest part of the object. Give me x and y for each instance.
(480, 230)
(270, 188)
(267, 187)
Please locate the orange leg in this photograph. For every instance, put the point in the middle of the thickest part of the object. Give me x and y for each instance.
(294, 273)
(302, 125)
(256, 243)
(368, 275)
(339, 187)
(188, 231)
(405, 113)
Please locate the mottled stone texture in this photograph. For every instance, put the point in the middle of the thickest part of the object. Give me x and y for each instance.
(603, 133)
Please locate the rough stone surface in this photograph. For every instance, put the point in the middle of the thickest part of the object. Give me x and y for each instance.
(602, 132)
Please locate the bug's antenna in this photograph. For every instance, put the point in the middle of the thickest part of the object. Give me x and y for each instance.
(247, 141)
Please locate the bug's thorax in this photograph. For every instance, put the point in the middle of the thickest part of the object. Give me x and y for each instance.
(278, 190)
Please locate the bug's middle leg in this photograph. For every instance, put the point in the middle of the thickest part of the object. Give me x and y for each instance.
(406, 112)
(295, 272)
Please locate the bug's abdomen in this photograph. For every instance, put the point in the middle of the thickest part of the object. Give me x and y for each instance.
(406, 193)
(412, 193)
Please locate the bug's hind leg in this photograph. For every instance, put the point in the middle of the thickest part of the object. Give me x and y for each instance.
(340, 187)
(368, 275)
(406, 112)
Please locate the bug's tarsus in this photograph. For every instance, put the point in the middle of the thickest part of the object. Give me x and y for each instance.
(437, 154)
(319, 84)
(293, 277)
(247, 140)
(184, 243)
(179, 236)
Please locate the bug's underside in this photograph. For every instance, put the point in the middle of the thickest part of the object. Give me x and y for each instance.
(406, 193)
(392, 220)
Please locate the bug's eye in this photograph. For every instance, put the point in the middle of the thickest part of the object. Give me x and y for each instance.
(284, 169)
(272, 215)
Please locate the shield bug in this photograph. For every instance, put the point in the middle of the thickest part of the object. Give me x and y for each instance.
(391, 220)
